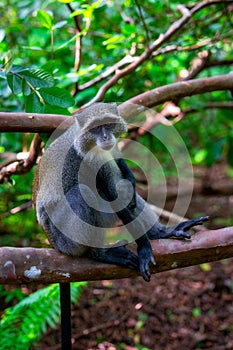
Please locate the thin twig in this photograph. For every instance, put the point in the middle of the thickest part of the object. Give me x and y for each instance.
(176, 26)
(16, 210)
(78, 45)
(22, 166)
(109, 71)
(143, 22)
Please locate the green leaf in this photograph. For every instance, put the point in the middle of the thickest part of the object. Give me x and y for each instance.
(38, 78)
(50, 67)
(33, 104)
(200, 156)
(57, 97)
(8, 61)
(45, 19)
(15, 83)
(17, 69)
(66, 1)
(77, 12)
(2, 34)
(33, 314)
(48, 109)
(10, 81)
(2, 75)
(196, 312)
(83, 32)
(129, 29)
(205, 267)
(59, 24)
(214, 148)
(114, 40)
(26, 88)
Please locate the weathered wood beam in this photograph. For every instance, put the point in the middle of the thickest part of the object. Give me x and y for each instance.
(26, 265)
(40, 123)
(31, 122)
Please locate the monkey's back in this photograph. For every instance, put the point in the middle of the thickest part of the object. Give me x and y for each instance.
(47, 185)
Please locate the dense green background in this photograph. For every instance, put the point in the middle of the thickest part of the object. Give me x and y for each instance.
(40, 72)
(38, 41)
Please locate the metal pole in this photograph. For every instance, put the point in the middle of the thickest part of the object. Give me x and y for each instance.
(65, 305)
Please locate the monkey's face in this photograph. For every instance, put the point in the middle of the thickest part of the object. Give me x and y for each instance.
(104, 136)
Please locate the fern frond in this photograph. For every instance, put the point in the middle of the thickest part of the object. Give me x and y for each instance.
(23, 324)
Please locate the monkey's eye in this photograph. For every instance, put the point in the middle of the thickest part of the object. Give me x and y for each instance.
(109, 125)
(95, 127)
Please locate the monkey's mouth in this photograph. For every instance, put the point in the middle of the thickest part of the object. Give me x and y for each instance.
(107, 145)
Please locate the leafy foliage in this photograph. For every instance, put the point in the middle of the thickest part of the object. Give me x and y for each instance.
(24, 323)
(37, 87)
(56, 55)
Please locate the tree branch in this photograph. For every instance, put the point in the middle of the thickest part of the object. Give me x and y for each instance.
(32, 122)
(24, 165)
(143, 22)
(78, 44)
(109, 71)
(26, 265)
(177, 25)
(176, 91)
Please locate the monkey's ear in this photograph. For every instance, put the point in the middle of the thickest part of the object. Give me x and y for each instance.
(121, 127)
(112, 108)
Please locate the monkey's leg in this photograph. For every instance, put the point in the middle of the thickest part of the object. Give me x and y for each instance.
(94, 229)
(115, 255)
(137, 228)
(178, 231)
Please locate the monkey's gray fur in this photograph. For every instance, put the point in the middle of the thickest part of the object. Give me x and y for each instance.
(75, 202)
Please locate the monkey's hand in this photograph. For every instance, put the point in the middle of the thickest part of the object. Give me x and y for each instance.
(145, 257)
(180, 229)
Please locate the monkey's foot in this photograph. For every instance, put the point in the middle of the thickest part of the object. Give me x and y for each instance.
(145, 257)
(180, 230)
(118, 255)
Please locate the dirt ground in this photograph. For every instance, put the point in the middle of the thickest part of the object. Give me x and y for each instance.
(190, 308)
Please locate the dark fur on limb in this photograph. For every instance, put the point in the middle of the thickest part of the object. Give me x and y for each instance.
(33, 265)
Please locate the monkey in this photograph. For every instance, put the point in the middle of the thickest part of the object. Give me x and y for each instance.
(83, 185)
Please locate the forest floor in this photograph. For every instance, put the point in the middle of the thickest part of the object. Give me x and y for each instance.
(190, 308)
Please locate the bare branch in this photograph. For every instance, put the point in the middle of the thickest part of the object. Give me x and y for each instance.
(155, 45)
(16, 210)
(27, 265)
(170, 48)
(22, 166)
(211, 105)
(198, 45)
(176, 91)
(198, 64)
(214, 63)
(143, 22)
(109, 71)
(30, 122)
(78, 44)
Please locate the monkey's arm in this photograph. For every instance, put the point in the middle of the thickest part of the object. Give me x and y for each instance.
(137, 228)
(128, 175)
(134, 224)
